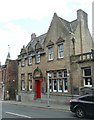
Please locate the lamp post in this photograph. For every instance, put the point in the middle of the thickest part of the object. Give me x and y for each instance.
(48, 75)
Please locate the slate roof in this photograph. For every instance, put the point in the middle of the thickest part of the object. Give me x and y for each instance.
(39, 39)
(38, 42)
(71, 26)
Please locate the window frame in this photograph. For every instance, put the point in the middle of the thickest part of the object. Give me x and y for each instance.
(87, 78)
(50, 53)
(54, 90)
(60, 51)
(59, 90)
(30, 60)
(23, 62)
(23, 85)
(22, 80)
(29, 81)
(37, 58)
(65, 90)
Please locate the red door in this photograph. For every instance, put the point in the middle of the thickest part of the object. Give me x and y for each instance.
(38, 89)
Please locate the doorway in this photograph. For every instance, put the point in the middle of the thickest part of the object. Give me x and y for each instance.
(38, 89)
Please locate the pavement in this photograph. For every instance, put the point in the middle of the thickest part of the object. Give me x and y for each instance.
(41, 104)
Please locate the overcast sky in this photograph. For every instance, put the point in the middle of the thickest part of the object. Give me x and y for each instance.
(20, 18)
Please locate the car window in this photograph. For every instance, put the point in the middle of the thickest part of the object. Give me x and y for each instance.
(87, 98)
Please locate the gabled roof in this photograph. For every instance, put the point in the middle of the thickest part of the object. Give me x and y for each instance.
(34, 44)
(71, 26)
(38, 42)
(40, 39)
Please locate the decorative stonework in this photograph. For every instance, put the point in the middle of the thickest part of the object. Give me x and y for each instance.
(37, 74)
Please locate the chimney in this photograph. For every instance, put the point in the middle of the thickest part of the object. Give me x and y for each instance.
(83, 16)
(33, 35)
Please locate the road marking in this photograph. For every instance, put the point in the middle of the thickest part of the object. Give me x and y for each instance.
(18, 115)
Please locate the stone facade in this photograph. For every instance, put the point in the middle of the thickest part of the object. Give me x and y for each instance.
(46, 62)
(82, 72)
(9, 78)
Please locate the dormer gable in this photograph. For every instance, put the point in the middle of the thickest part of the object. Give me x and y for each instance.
(50, 43)
(60, 40)
(38, 46)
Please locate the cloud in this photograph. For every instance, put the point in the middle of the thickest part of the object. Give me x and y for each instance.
(34, 9)
(14, 36)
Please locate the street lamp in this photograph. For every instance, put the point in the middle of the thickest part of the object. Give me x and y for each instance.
(48, 75)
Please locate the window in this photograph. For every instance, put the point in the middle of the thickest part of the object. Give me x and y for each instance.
(87, 98)
(29, 76)
(60, 51)
(50, 53)
(37, 58)
(30, 85)
(23, 62)
(65, 73)
(22, 81)
(30, 60)
(54, 74)
(65, 84)
(22, 76)
(30, 81)
(60, 74)
(50, 82)
(60, 85)
(87, 77)
(58, 81)
(50, 85)
(23, 85)
(54, 85)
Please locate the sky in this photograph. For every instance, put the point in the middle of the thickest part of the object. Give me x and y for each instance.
(20, 18)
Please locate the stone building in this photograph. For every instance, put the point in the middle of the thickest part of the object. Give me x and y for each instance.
(49, 61)
(9, 79)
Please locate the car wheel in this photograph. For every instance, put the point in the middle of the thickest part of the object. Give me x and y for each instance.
(80, 113)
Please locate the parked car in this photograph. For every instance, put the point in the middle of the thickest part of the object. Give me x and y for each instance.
(83, 105)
